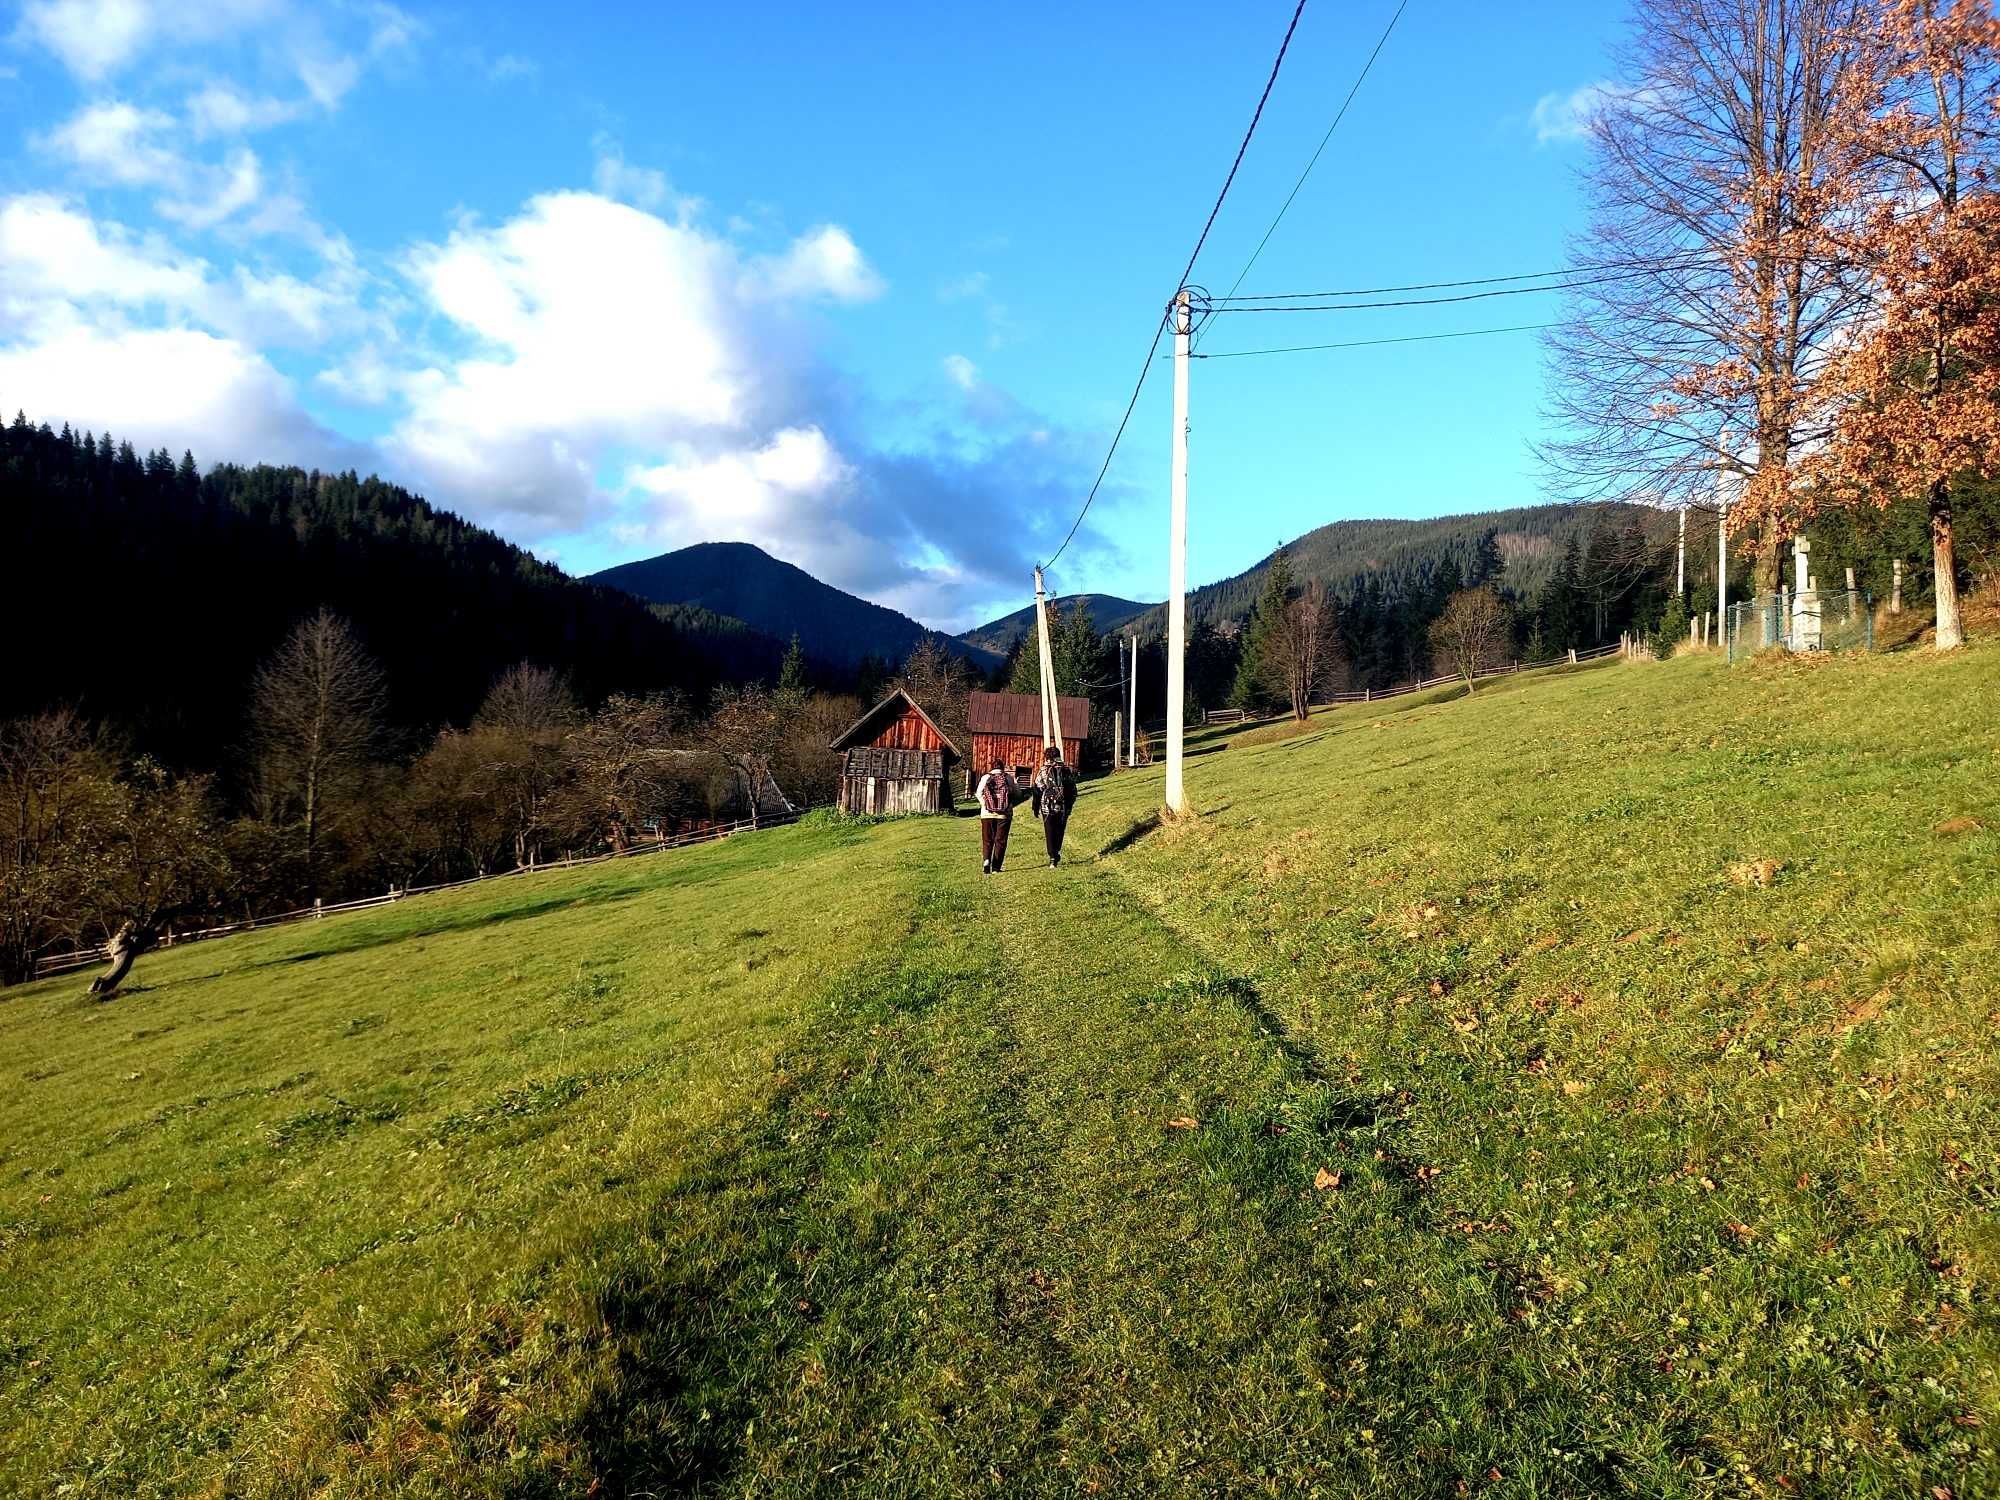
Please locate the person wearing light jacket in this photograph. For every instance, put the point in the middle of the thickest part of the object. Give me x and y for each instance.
(996, 817)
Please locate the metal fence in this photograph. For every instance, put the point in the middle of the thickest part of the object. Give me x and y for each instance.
(1810, 620)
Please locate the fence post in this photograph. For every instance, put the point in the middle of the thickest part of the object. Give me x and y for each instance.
(1896, 589)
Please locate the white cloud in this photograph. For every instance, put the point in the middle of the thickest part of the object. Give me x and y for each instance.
(52, 256)
(173, 387)
(220, 193)
(961, 371)
(223, 109)
(642, 187)
(117, 142)
(1559, 117)
(959, 288)
(737, 495)
(823, 262)
(589, 325)
(96, 38)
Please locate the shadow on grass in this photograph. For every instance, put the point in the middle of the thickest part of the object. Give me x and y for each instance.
(387, 934)
(1119, 843)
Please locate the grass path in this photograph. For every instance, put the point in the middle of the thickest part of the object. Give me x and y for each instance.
(1434, 1115)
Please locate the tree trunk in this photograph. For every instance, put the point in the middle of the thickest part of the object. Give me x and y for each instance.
(1950, 632)
(124, 949)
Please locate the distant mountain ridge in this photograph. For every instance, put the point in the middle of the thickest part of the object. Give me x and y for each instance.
(1107, 611)
(777, 599)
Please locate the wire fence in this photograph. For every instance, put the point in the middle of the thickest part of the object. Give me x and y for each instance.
(85, 958)
(1810, 620)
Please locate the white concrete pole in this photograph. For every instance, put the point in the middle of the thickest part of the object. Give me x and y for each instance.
(1721, 554)
(1132, 722)
(1176, 791)
(1681, 558)
(1049, 728)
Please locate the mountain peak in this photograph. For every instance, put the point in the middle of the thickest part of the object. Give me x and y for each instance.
(781, 599)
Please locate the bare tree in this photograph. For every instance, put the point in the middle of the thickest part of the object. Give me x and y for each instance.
(941, 683)
(621, 765)
(518, 738)
(317, 708)
(161, 857)
(1301, 648)
(1472, 633)
(745, 730)
(57, 788)
(1709, 290)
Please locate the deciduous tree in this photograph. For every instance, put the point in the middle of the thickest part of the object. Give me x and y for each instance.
(1472, 634)
(317, 707)
(1710, 287)
(1914, 395)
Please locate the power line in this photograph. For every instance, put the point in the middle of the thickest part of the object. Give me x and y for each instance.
(1676, 261)
(1146, 365)
(1511, 291)
(1414, 338)
(1339, 115)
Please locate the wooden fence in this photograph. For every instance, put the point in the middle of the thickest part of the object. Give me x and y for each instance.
(85, 958)
(1378, 695)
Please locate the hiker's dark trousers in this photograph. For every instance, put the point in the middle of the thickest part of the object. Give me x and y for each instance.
(993, 840)
(1053, 825)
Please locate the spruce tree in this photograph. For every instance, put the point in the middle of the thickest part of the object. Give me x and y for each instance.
(1253, 690)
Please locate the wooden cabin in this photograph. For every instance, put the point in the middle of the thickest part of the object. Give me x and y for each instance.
(1007, 727)
(894, 759)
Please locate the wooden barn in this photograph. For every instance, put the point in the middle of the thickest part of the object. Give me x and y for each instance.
(894, 759)
(1007, 727)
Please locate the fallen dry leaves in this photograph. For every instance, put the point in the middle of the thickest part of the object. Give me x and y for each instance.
(1184, 1122)
(1326, 1180)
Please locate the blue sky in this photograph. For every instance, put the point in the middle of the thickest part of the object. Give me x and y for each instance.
(868, 286)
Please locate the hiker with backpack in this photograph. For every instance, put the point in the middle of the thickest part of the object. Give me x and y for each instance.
(996, 817)
(1055, 795)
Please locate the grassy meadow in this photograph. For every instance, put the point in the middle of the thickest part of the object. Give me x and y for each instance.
(1587, 1087)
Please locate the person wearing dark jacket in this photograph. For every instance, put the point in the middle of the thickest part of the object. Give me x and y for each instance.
(996, 817)
(1055, 795)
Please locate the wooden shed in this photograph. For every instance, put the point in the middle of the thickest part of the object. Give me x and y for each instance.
(1007, 727)
(894, 759)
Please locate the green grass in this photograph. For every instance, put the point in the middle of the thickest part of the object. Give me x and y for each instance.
(812, 1161)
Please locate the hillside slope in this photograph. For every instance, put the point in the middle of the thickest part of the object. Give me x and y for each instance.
(1584, 1088)
(150, 591)
(748, 584)
(1107, 611)
(1403, 557)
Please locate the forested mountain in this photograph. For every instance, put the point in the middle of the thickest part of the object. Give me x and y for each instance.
(144, 593)
(1397, 559)
(1107, 611)
(747, 583)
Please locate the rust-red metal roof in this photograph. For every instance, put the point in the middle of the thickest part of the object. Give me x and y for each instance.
(1021, 713)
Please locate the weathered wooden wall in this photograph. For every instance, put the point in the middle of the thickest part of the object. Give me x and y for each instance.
(885, 779)
(1013, 750)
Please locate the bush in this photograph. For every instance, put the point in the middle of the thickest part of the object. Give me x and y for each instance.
(1672, 631)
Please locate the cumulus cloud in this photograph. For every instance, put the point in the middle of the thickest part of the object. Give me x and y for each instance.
(1559, 116)
(96, 38)
(642, 187)
(172, 387)
(588, 324)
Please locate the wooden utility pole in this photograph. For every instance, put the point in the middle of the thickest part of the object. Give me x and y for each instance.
(1176, 792)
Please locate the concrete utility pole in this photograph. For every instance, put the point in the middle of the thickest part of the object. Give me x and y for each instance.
(1177, 802)
(1051, 712)
(1132, 721)
(1681, 558)
(1722, 555)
